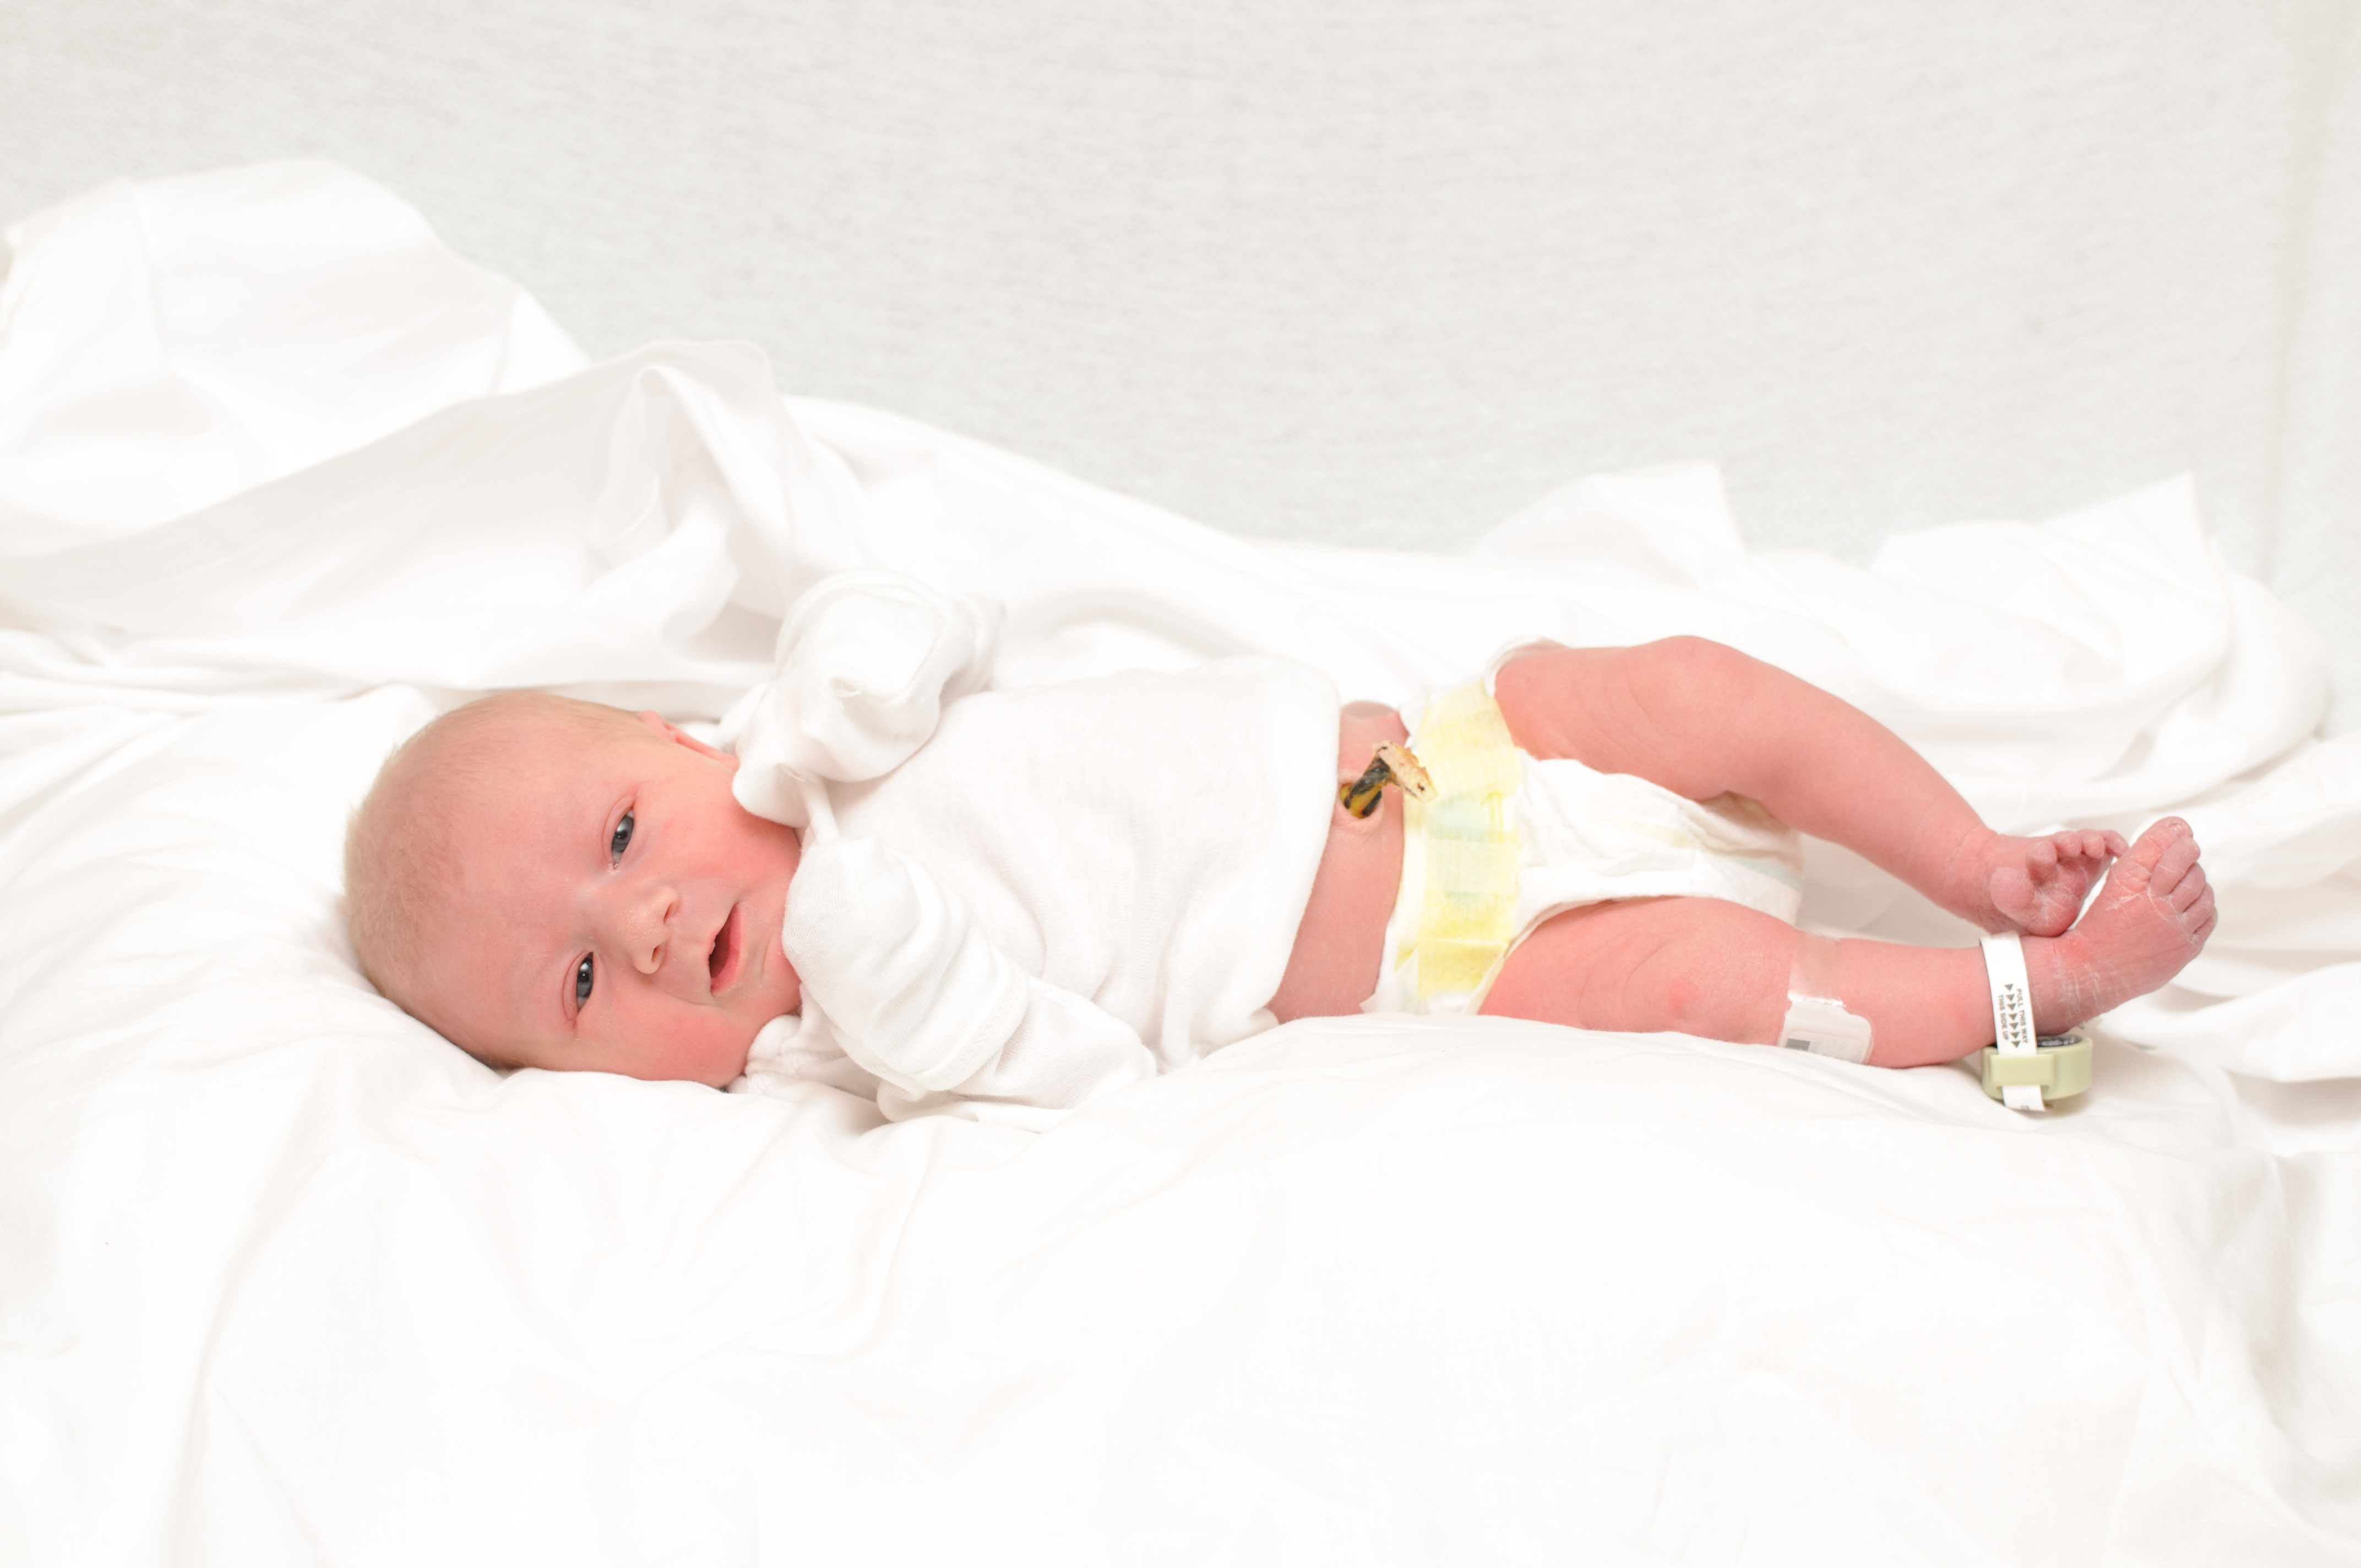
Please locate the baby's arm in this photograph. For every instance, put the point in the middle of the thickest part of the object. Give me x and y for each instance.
(1702, 720)
(897, 972)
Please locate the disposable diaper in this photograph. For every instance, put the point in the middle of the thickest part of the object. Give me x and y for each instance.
(1584, 836)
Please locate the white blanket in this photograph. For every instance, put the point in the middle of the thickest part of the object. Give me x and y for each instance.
(282, 1277)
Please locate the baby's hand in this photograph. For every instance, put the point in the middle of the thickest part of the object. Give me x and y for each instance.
(913, 989)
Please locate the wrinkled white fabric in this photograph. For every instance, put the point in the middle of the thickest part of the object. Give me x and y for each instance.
(178, 307)
(865, 661)
(795, 1050)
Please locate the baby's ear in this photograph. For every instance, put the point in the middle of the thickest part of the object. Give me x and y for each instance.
(676, 734)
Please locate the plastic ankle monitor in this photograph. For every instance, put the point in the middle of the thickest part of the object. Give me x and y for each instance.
(2022, 1069)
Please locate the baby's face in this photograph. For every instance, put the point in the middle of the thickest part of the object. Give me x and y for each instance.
(622, 910)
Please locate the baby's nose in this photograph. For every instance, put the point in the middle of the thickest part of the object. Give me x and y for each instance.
(644, 924)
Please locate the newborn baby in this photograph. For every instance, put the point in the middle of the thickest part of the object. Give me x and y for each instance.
(962, 900)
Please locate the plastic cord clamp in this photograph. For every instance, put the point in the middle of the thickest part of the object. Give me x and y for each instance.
(1388, 764)
(2023, 1069)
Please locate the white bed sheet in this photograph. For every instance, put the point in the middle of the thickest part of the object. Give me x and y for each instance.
(284, 1278)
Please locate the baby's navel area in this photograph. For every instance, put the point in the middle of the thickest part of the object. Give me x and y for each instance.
(1333, 965)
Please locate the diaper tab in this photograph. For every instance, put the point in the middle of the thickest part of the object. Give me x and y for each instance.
(1467, 840)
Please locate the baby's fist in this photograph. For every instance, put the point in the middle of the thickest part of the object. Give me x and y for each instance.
(914, 989)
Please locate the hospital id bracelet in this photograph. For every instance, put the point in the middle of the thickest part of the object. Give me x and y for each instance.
(2023, 1069)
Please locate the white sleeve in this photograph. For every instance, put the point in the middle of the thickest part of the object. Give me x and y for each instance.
(893, 967)
(866, 661)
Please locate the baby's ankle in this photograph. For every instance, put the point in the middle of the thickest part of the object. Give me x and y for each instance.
(2063, 973)
(1963, 883)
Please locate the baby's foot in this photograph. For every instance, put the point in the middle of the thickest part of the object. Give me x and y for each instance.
(2150, 918)
(2038, 885)
(2031, 885)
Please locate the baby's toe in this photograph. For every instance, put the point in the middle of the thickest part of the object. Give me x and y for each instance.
(2180, 859)
(2165, 843)
(2193, 885)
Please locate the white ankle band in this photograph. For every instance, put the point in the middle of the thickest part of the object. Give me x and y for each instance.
(2012, 1006)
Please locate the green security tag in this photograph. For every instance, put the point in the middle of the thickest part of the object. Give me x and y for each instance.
(2060, 1068)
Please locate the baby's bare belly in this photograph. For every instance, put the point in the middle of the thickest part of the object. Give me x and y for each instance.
(1333, 965)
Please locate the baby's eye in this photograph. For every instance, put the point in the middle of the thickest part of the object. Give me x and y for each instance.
(623, 839)
(582, 981)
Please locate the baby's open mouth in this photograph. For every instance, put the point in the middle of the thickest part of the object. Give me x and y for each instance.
(722, 961)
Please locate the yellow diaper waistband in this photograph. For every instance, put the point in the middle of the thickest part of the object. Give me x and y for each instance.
(1461, 847)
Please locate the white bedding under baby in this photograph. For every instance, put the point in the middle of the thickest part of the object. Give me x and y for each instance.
(283, 1277)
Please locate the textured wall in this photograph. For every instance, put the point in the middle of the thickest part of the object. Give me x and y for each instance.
(1382, 270)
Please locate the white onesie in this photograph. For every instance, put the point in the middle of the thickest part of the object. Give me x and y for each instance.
(1137, 852)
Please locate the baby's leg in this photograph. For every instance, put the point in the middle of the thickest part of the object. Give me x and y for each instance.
(1706, 966)
(1700, 719)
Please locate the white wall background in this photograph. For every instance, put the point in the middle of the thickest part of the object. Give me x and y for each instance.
(1382, 270)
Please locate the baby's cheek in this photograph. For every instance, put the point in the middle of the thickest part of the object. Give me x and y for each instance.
(718, 1064)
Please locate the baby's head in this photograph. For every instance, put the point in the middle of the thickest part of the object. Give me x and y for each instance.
(553, 883)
